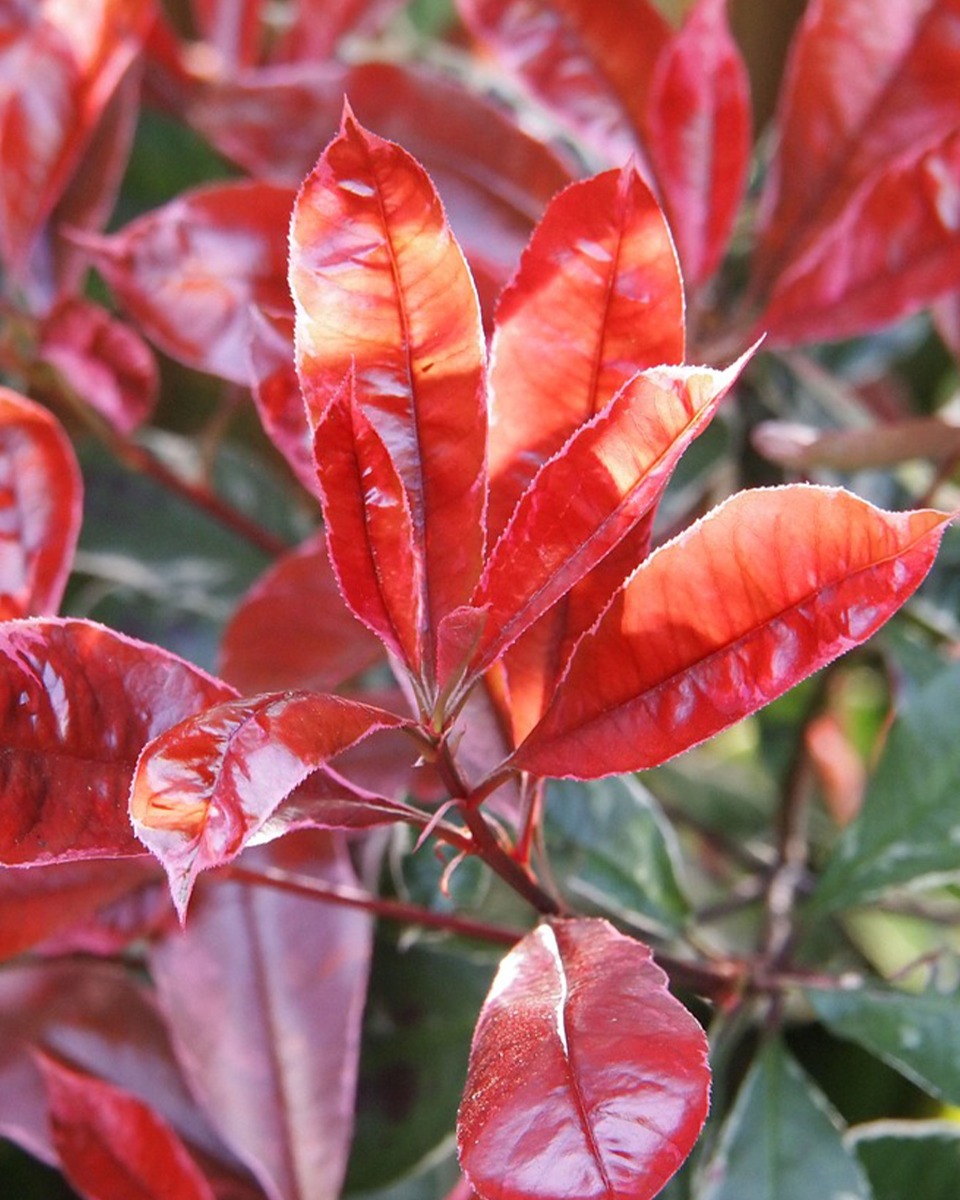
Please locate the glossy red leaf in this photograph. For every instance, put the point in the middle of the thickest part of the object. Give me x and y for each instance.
(77, 704)
(697, 136)
(298, 592)
(47, 901)
(209, 786)
(65, 67)
(590, 61)
(263, 993)
(895, 246)
(370, 529)
(766, 589)
(190, 273)
(587, 498)
(587, 1079)
(865, 84)
(40, 508)
(102, 361)
(598, 296)
(382, 292)
(112, 1146)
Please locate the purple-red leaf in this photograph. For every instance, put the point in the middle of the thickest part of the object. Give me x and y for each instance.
(866, 84)
(112, 1146)
(60, 75)
(298, 592)
(209, 786)
(766, 589)
(77, 704)
(590, 61)
(697, 136)
(894, 247)
(598, 297)
(40, 508)
(42, 903)
(97, 1018)
(383, 294)
(587, 1079)
(190, 273)
(103, 361)
(586, 499)
(494, 178)
(263, 993)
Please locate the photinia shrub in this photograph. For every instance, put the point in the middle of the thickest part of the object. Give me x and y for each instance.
(324, 837)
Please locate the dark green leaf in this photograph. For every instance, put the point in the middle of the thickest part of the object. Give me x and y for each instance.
(421, 1010)
(782, 1141)
(909, 828)
(916, 1034)
(611, 845)
(909, 1158)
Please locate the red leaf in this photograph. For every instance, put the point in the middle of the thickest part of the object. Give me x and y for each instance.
(298, 592)
(495, 179)
(97, 1018)
(590, 61)
(264, 993)
(697, 136)
(895, 246)
(77, 704)
(190, 273)
(598, 296)
(587, 1079)
(865, 84)
(207, 787)
(766, 589)
(320, 24)
(370, 529)
(102, 361)
(233, 30)
(586, 499)
(39, 904)
(58, 264)
(111, 1146)
(40, 505)
(65, 66)
(382, 292)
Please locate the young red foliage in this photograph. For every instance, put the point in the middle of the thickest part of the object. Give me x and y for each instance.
(208, 786)
(192, 273)
(390, 357)
(110, 1144)
(40, 501)
(78, 703)
(605, 1085)
(65, 67)
(505, 571)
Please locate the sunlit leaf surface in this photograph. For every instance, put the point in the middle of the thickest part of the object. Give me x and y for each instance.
(587, 1078)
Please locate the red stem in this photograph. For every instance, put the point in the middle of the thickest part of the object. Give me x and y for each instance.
(391, 910)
